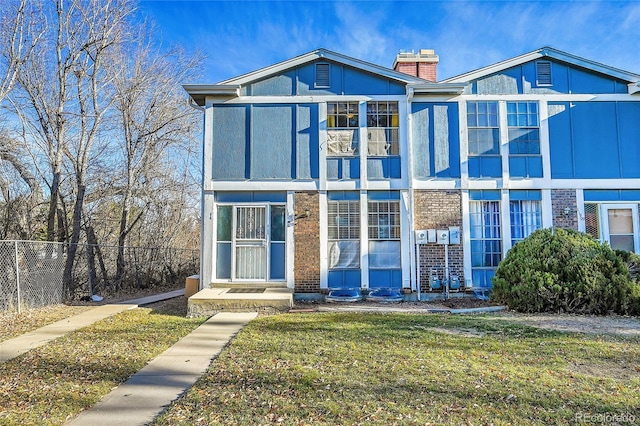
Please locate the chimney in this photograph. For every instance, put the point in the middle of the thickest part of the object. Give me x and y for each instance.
(422, 64)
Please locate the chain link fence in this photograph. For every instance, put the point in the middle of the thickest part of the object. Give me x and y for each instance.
(31, 272)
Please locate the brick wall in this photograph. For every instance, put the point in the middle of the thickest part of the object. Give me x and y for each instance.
(438, 209)
(426, 70)
(307, 243)
(561, 199)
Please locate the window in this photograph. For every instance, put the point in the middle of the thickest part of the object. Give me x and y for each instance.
(482, 123)
(543, 73)
(384, 234)
(344, 234)
(322, 76)
(342, 128)
(526, 217)
(524, 133)
(485, 236)
(382, 128)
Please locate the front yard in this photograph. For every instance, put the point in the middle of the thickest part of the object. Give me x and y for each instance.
(347, 368)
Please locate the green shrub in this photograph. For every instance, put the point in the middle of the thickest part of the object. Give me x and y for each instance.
(566, 271)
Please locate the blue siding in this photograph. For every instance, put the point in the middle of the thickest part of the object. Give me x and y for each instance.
(436, 144)
(594, 140)
(612, 195)
(339, 168)
(251, 197)
(629, 137)
(385, 278)
(344, 278)
(230, 130)
(527, 166)
(346, 81)
(278, 85)
(272, 153)
(383, 168)
(307, 142)
(485, 166)
(277, 261)
(566, 78)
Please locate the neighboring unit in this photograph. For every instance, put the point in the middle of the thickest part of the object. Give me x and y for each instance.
(326, 172)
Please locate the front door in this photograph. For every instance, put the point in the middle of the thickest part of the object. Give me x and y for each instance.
(620, 226)
(251, 245)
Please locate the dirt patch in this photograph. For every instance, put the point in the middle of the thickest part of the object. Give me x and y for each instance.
(613, 325)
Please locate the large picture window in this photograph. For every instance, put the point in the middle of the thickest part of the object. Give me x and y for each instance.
(344, 234)
(342, 128)
(382, 128)
(482, 123)
(384, 234)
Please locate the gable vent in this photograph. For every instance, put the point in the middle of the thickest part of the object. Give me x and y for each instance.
(543, 73)
(322, 75)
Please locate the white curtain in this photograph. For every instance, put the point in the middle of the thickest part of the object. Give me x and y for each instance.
(344, 254)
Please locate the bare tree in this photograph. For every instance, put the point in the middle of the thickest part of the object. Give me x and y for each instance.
(155, 120)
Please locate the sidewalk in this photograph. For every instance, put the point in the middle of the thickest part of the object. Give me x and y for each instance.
(12, 348)
(148, 392)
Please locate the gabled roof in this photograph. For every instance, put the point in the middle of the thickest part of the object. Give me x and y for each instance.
(546, 52)
(321, 54)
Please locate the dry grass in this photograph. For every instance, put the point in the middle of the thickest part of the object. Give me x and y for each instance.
(13, 324)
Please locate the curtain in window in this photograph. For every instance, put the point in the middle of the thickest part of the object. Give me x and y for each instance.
(344, 254)
(384, 254)
(525, 218)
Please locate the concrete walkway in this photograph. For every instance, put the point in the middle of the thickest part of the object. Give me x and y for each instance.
(148, 392)
(12, 348)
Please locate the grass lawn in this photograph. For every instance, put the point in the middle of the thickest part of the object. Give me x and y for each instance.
(13, 324)
(52, 383)
(344, 368)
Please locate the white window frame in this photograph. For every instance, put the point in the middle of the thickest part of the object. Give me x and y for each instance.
(604, 222)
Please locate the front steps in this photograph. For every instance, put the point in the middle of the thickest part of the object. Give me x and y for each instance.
(246, 297)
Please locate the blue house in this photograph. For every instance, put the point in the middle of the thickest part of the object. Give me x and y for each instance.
(324, 171)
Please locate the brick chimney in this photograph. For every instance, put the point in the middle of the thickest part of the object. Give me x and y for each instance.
(422, 64)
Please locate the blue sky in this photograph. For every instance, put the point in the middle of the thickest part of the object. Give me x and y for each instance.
(241, 36)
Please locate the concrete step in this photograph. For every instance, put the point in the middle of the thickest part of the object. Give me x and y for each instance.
(210, 301)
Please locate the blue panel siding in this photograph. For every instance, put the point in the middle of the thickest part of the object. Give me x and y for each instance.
(484, 195)
(595, 140)
(525, 194)
(436, 140)
(272, 153)
(485, 166)
(385, 278)
(307, 142)
(560, 140)
(629, 137)
(346, 81)
(612, 195)
(339, 168)
(383, 168)
(526, 166)
(521, 79)
(344, 278)
(230, 130)
(279, 85)
(251, 197)
(277, 261)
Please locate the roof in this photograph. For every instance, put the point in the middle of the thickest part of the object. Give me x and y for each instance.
(230, 87)
(546, 52)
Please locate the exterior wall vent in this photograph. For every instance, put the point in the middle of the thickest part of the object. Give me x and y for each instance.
(322, 76)
(543, 73)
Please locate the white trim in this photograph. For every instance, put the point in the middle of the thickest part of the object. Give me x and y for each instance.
(403, 141)
(290, 249)
(364, 240)
(363, 144)
(556, 97)
(324, 237)
(315, 99)
(322, 146)
(464, 144)
(580, 210)
(436, 183)
(545, 145)
(406, 240)
(505, 221)
(547, 208)
(262, 185)
(208, 238)
(503, 135)
(466, 238)
(604, 221)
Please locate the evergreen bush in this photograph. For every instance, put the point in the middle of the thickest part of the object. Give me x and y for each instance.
(566, 271)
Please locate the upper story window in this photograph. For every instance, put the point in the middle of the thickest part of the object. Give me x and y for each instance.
(342, 128)
(382, 128)
(543, 73)
(323, 76)
(482, 123)
(524, 131)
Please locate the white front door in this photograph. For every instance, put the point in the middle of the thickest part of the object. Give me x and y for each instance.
(620, 223)
(251, 245)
